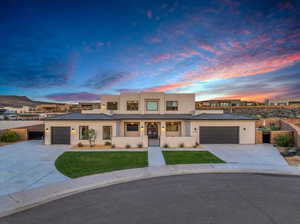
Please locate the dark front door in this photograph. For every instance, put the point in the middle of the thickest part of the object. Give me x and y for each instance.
(60, 135)
(152, 130)
(219, 135)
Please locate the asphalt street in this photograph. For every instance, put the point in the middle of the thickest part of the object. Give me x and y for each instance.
(199, 198)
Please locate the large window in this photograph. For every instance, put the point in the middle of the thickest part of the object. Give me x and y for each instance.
(132, 126)
(83, 132)
(152, 105)
(172, 126)
(132, 105)
(112, 106)
(107, 130)
(172, 105)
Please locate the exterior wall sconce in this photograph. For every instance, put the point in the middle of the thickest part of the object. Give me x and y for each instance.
(163, 128)
(73, 131)
(47, 130)
(142, 128)
(244, 129)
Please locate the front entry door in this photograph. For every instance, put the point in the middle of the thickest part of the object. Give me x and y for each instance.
(152, 130)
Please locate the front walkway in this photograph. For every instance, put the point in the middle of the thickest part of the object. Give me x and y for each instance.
(27, 165)
(155, 156)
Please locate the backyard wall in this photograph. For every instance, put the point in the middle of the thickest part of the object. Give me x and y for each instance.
(258, 137)
(288, 125)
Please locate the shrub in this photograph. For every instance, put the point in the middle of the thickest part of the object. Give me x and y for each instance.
(140, 145)
(274, 127)
(80, 144)
(284, 140)
(195, 146)
(166, 146)
(113, 146)
(128, 146)
(181, 145)
(107, 143)
(10, 136)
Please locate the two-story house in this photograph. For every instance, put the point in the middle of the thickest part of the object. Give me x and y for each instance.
(150, 119)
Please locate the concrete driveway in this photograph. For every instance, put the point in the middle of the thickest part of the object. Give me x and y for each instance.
(265, 154)
(27, 165)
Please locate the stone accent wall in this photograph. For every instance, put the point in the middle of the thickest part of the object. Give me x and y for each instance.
(258, 137)
(267, 122)
(274, 134)
(287, 124)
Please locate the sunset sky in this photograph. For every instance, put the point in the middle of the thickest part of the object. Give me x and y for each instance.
(77, 50)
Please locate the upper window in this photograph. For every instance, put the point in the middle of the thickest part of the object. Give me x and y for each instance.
(172, 105)
(172, 126)
(132, 126)
(152, 105)
(132, 105)
(112, 106)
(83, 132)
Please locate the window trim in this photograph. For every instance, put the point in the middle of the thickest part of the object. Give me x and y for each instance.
(81, 137)
(110, 132)
(113, 102)
(171, 109)
(132, 101)
(178, 125)
(156, 101)
(137, 123)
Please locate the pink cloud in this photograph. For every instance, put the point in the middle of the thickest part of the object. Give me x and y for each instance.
(149, 14)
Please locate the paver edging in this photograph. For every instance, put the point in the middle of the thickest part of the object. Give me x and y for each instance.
(13, 203)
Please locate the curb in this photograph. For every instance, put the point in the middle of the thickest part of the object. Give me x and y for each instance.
(16, 202)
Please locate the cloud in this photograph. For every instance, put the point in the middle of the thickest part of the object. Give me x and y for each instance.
(149, 14)
(104, 80)
(80, 96)
(36, 61)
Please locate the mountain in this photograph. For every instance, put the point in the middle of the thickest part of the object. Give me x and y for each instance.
(12, 100)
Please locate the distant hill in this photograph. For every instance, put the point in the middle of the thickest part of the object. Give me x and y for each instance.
(12, 100)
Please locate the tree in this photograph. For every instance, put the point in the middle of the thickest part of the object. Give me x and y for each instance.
(92, 137)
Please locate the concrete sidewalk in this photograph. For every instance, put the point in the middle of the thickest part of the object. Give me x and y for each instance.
(155, 156)
(19, 201)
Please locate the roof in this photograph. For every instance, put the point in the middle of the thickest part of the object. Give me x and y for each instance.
(96, 117)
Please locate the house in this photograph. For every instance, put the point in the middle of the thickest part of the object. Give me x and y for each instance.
(226, 103)
(283, 101)
(150, 119)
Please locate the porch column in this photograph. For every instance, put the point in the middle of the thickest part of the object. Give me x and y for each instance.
(163, 139)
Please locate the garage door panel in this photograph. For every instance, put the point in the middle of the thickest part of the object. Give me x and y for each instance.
(60, 135)
(219, 135)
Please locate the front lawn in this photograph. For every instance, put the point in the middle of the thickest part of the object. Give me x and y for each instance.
(189, 157)
(78, 164)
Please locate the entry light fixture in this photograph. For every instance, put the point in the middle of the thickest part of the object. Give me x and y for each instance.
(73, 131)
(244, 129)
(47, 130)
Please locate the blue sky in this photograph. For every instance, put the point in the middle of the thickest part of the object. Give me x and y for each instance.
(77, 50)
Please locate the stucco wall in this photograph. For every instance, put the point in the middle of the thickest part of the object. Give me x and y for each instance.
(176, 141)
(247, 129)
(121, 142)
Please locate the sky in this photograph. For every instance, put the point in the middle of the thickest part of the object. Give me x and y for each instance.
(69, 51)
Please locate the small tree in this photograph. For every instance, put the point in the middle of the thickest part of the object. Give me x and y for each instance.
(284, 140)
(92, 137)
(10, 136)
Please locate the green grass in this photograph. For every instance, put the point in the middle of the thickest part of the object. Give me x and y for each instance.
(78, 164)
(189, 157)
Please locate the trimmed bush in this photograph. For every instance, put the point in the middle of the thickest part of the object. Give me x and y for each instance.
(284, 140)
(107, 143)
(166, 146)
(128, 146)
(181, 145)
(80, 144)
(140, 145)
(10, 136)
(113, 146)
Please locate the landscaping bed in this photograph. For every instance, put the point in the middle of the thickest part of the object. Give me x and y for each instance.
(190, 157)
(78, 164)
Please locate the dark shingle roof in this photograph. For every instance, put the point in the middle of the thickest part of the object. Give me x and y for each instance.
(93, 117)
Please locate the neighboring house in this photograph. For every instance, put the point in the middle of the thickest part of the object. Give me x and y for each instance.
(226, 103)
(150, 119)
(283, 101)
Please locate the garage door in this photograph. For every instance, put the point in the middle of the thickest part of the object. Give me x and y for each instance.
(60, 135)
(219, 135)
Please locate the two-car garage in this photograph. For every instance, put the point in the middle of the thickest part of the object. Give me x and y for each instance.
(219, 135)
(60, 135)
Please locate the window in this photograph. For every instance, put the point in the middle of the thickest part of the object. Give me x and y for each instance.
(112, 106)
(107, 130)
(172, 105)
(83, 132)
(132, 105)
(172, 126)
(132, 126)
(152, 105)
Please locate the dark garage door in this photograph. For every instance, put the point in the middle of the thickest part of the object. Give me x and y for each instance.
(60, 135)
(219, 135)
